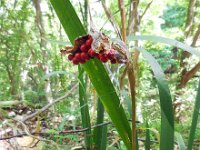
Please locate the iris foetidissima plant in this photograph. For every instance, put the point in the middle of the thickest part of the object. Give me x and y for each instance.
(96, 45)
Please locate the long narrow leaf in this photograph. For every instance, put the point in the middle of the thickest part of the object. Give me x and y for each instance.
(164, 40)
(96, 71)
(194, 119)
(99, 136)
(167, 118)
(85, 116)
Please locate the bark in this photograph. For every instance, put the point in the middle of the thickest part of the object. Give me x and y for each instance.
(188, 75)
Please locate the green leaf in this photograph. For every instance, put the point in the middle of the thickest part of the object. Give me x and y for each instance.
(167, 117)
(100, 133)
(194, 119)
(85, 116)
(96, 71)
(172, 42)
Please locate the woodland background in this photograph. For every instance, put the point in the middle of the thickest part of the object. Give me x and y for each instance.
(34, 74)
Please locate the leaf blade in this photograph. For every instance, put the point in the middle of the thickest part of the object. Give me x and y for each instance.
(169, 41)
(167, 117)
(194, 119)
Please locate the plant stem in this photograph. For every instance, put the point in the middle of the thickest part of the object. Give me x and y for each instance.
(131, 74)
(131, 78)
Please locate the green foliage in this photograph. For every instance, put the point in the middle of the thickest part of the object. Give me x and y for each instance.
(174, 16)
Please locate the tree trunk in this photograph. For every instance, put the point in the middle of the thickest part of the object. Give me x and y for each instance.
(186, 75)
(45, 65)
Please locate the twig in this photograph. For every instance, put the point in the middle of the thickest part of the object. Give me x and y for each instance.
(49, 104)
(111, 19)
(145, 10)
(188, 75)
(62, 132)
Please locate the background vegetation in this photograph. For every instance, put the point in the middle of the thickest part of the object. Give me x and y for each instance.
(36, 77)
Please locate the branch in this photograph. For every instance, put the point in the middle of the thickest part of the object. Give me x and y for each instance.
(188, 75)
(148, 6)
(49, 104)
(111, 19)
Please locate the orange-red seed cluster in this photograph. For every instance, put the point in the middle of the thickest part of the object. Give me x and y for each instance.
(84, 52)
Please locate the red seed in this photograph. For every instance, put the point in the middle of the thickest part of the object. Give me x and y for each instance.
(113, 61)
(103, 58)
(84, 56)
(84, 48)
(75, 61)
(78, 56)
(92, 53)
(88, 42)
(82, 61)
(70, 57)
(97, 56)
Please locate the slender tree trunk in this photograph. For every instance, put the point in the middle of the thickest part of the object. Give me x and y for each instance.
(45, 65)
(186, 75)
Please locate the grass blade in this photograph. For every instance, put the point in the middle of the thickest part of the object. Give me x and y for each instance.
(164, 40)
(147, 141)
(167, 117)
(85, 116)
(194, 119)
(137, 141)
(96, 71)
